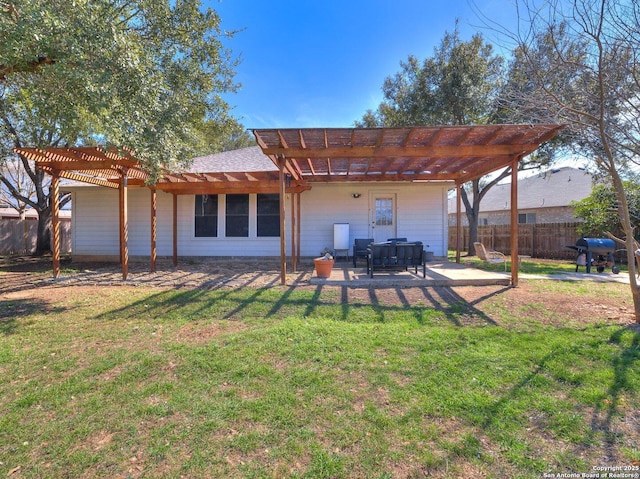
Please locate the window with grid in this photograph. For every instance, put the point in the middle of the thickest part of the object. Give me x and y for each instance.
(206, 214)
(237, 216)
(268, 220)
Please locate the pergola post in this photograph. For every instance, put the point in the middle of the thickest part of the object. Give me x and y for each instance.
(514, 224)
(175, 230)
(294, 262)
(154, 229)
(283, 238)
(124, 225)
(298, 215)
(55, 223)
(458, 221)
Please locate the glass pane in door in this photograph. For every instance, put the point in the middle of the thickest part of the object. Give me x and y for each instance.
(384, 211)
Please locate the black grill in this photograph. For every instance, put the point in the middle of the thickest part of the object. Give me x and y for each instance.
(595, 252)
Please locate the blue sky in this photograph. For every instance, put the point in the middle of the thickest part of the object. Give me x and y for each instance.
(322, 63)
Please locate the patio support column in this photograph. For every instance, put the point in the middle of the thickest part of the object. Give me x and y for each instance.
(458, 221)
(298, 215)
(124, 225)
(294, 242)
(55, 223)
(175, 230)
(514, 223)
(154, 228)
(283, 251)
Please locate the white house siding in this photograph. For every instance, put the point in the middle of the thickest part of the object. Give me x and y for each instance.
(96, 218)
(420, 208)
(96, 227)
(95, 222)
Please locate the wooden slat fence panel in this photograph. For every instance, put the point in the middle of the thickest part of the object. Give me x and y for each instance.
(19, 236)
(536, 240)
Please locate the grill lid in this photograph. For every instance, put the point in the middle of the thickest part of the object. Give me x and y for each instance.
(597, 245)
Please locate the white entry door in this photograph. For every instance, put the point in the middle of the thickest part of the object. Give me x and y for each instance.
(383, 216)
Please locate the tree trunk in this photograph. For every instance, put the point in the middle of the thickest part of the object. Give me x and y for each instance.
(43, 241)
(472, 211)
(630, 243)
(635, 294)
(472, 217)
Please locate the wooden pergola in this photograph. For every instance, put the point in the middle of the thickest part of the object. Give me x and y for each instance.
(304, 157)
(412, 154)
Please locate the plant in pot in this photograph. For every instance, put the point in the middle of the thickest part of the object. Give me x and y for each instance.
(324, 263)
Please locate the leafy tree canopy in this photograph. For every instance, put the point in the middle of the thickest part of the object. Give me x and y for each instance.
(142, 74)
(224, 136)
(145, 75)
(600, 210)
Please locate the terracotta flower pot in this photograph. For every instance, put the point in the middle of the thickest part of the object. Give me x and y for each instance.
(323, 267)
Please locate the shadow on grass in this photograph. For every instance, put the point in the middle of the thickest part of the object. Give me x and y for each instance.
(11, 311)
(625, 361)
(338, 303)
(602, 423)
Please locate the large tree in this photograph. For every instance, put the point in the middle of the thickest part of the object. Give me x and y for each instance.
(582, 65)
(458, 85)
(224, 136)
(141, 74)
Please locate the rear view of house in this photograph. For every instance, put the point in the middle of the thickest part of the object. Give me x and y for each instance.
(247, 222)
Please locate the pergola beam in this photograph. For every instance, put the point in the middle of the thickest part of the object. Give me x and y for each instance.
(387, 152)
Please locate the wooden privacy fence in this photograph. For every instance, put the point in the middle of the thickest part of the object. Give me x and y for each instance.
(535, 240)
(19, 236)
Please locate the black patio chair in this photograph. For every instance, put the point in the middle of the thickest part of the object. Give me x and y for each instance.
(360, 246)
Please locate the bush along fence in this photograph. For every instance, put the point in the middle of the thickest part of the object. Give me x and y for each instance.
(548, 240)
(18, 236)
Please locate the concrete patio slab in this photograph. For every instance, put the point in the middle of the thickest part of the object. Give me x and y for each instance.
(445, 273)
(438, 273)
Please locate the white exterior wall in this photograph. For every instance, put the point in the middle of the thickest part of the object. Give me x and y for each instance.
(421, 215)
(96, 218)
(96, 226)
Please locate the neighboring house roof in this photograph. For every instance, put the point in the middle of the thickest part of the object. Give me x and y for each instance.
(551, 188)
(249, 159)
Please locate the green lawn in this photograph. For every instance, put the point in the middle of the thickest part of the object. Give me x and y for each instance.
(132, 382)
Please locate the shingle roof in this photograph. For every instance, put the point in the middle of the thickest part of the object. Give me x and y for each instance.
(249, 159)
(552, 188)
